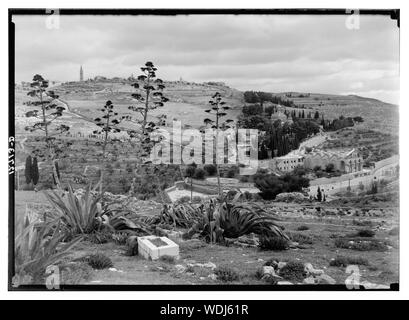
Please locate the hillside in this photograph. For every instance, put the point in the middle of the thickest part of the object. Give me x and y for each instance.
(377, 115)
(187, 100)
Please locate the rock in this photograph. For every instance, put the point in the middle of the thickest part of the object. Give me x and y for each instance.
(309, 280)
(270, 274)
(212, 276)
(113, 269)
(284, 283)
(369, 285)
(281, 264)
(180, 268)
(325, 279)
(132, 246)
(311, 271)
(210, 265)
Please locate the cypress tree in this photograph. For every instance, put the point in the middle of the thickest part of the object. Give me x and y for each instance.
(34, 171)
(27, 170)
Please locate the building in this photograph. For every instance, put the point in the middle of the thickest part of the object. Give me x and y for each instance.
(346, 161)
(289, 162)
(81, 74)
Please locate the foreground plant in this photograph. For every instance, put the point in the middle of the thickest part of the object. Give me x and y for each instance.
(78, 215)
(219, 219)
(47, 113)
(37, 246)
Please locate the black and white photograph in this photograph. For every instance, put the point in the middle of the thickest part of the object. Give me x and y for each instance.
(208, 149)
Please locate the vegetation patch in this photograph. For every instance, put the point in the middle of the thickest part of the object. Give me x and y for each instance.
(293, 271)
(75, 273)
(273, 243)
(365, 233)
(344, 261)
(226, 274)
(303, 228)
(301, 238)
(361, 244)
(99, 261)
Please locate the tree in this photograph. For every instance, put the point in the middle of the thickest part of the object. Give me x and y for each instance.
(108, 123)
(49, 111)
(27, 170)
(319, 194)
(316, 115)
(218, 110)
(190, 172)
(330, 167)
(34, 171)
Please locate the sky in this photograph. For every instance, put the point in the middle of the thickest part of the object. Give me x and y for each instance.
(274, 53)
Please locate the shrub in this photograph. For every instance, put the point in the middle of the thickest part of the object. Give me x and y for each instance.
(167, 259)
(226, 274)
(303, 228)
(360, 245)
(366, 233)
(343, 261)
(272, 243)
(99, 237)
(196, 199)
(244, 178)
(271, 185)
(199, 174)
(301, 238)
(210, 169)
(119, 238)
(293, 271)
(99, 261)
(184, 199)
(231, 173)
(75, 273)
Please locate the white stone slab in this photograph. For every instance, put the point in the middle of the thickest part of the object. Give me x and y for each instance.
(149, 251)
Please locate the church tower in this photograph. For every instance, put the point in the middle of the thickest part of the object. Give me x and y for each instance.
(81, 74)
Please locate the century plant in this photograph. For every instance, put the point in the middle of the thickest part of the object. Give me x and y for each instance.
(108, 123)
(218, 108)
(148, 97)
(231, 219)
(39, 245)
(78, 214)
(49, 111)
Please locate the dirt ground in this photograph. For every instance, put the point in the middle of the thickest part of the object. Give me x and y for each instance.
(383, 266)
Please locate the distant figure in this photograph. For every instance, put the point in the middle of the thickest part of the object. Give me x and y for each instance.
(81, 74)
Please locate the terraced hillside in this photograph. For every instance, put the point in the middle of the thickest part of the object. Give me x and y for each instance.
(377, 115)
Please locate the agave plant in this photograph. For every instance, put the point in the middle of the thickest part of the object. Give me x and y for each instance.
(240, 219)
(78, 214)
(37, 246)
(181, 215)
(234, 219)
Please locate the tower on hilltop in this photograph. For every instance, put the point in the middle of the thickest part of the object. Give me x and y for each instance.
(81, 74)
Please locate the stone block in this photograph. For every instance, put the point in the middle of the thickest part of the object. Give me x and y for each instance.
(153, 247)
